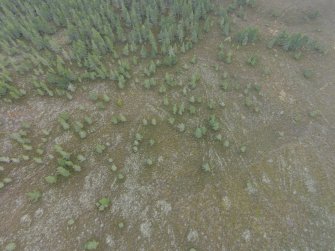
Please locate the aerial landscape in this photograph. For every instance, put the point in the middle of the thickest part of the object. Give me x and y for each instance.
(167, 125)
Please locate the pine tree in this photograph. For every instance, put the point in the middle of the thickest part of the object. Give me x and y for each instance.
(143, 52)
(98, 41)
(153, 43)
(180, 32)
(125, 50)
(79, 50)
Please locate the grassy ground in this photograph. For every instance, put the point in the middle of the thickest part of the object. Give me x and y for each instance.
(277, 195)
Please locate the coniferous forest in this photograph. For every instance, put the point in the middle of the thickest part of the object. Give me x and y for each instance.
(167, 125)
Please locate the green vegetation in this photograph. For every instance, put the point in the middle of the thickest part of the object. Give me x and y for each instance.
(253, 60)
(91, 245)
(10, 246)
(307, 73)
(51, 179)
(103, 203)
(206, 167)
(295, 42)
(247, 36)
(34, 196)
(129, 81)
(200, 132)
(91, 36)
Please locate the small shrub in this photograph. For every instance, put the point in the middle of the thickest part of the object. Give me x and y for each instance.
(149, 162)
(226, 143)
(120, 176)
(153, 122)
(200, 132)
(103, 203)
(88, 120)
(120, 225)
(63, 119)
(246, 36)
(34, 196)
(253, 60)
(243, 149)
(100, 148)
(307, 73)
(206, 167)
(229, 57)
(214, 123)
(81, 157)
(181, 127)
(82, 134)
(314, 114)
(151, 142)
(10, 246)
(138, 136)
(114, 168)
(91, 245)
(51, 179)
